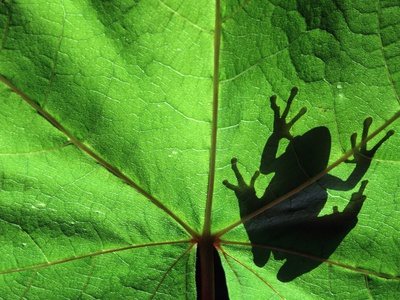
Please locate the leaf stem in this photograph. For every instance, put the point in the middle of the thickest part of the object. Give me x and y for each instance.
(206, 242)
(211, 175)
(206, 252)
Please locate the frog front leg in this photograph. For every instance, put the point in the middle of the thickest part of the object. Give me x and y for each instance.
(248, 203)
(281, 130)
(281, 126)
(246, 193)
(363, 156)
(362, 159)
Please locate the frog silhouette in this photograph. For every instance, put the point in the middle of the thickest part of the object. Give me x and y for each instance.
(292, 229)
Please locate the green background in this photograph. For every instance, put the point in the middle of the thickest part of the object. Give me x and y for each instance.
(133, 82)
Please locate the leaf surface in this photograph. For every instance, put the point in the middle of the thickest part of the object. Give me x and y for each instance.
(118, 124)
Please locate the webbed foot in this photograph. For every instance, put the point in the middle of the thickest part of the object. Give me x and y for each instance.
(356, 201)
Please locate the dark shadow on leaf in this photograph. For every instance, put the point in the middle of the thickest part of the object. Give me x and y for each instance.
(295, 224)
(305, 233)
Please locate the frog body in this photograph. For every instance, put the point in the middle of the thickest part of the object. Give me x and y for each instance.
(294, 225)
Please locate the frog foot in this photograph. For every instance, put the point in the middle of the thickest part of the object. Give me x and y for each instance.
(242, 189)
(363, 154)
(356, 201)
(281, 127)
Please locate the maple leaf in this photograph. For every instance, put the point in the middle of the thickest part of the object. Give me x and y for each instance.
(119, 120)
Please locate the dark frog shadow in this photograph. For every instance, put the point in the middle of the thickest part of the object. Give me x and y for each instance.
(293, 230)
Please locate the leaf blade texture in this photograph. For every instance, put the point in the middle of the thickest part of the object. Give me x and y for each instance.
(130, 84)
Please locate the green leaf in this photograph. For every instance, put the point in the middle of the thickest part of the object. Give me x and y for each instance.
(119, 120)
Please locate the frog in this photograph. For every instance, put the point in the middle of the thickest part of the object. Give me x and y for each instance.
(293, 229)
